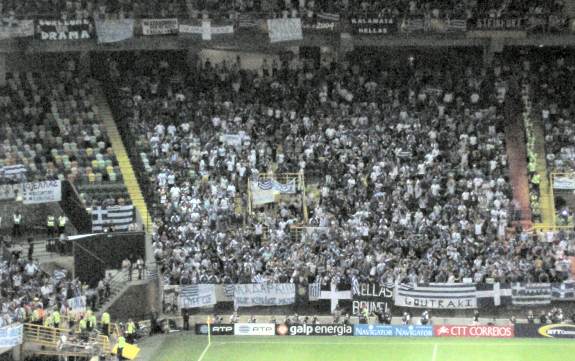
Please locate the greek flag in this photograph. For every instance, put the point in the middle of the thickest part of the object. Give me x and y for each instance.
(328, 16)
(119, 217)
(456, 25)
(314, 291)
(16, 171)
(199, 295)
(272, 184)
(531, 294)
(563, 291)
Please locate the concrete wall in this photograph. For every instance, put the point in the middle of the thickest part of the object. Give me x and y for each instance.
(138, 301)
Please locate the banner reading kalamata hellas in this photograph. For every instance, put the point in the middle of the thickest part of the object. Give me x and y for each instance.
(474, 331)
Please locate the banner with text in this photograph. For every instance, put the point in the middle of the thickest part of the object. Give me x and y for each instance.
(437, 296)
(252, 294)
(77, 303)
(76, 29)
(373, 296)
(545, 331)
(194, 296)
(285, 30)
(474, 331)
(321, 23)
(16, 29)
(372, 24)
(11, 336)
(393, 330)
(114, 30)
(314, 330)
(160, 26)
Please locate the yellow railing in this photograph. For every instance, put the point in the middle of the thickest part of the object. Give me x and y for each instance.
(50, 336)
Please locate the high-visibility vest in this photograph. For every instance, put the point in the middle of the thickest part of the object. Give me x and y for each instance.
(105, 318)
(17, 218)
(131, 328)
(62, 221)
(51, 221)
(48, 322)
(92, 321)
(56, 317)
(83, 324)
(121, 342)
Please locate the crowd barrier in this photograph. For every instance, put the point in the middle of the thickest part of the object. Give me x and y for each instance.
(562, 330)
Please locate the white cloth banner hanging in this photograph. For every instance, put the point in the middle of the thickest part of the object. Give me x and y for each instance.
(268, 294)
(199, 295)
(285, 30)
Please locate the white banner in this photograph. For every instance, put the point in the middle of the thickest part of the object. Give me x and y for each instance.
(260, 196)
(33, 192)
(42, 192)
(437, 296)
(11, 336)
(206, 29)
(564, 183)
(194, 296)
(114, 30)
(270, 294)
(77, 303)
(285, 30)
(159, 26)
(254, 329)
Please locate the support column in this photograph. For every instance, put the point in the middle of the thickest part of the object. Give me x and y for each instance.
(2, 69)
(84, 63)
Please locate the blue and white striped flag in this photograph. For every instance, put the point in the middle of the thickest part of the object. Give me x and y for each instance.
(314, 291)
(525, 294)
(563, 291)
(194, 296)
(17, 171)
(328, 16)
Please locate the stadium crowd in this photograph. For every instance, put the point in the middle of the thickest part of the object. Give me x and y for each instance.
(194, 8)
(413, 182)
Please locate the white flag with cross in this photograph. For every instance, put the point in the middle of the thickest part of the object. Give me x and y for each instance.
(334, 296)
(206, 29)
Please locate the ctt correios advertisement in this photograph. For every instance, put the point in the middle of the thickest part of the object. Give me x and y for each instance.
(393, 330)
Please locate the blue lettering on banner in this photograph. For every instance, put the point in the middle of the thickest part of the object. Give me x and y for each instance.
(392, 331)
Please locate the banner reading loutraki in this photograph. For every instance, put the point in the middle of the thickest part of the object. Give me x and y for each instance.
(278, 294)
(75, 29)
(160, 26)
(437, 296)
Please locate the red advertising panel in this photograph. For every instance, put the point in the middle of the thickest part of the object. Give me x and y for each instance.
(473, 331)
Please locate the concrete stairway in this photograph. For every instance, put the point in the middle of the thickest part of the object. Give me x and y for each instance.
(546, 200)
(126, 168)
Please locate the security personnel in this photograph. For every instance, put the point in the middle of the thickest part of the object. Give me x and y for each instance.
(16, 230)
(130, 331)
(536, 179)
(105, 320)
(92, 321)
(51, 225)
(83, 329)
(56, 318)
(62, 224)
(48, 321)
(121, 346)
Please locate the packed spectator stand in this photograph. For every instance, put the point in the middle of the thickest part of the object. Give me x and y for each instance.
(431, 203)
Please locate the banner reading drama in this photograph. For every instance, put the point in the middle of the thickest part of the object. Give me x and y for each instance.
(285, 30)
(77, 303)
(112, 31)
(393, 330)
(159, 26)
(77, 29)
(206, 29)
(373, 296)
(17, 29)
(437, 296)
(278, 294)
(368, 24)
(194, 296)
(11, 336)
